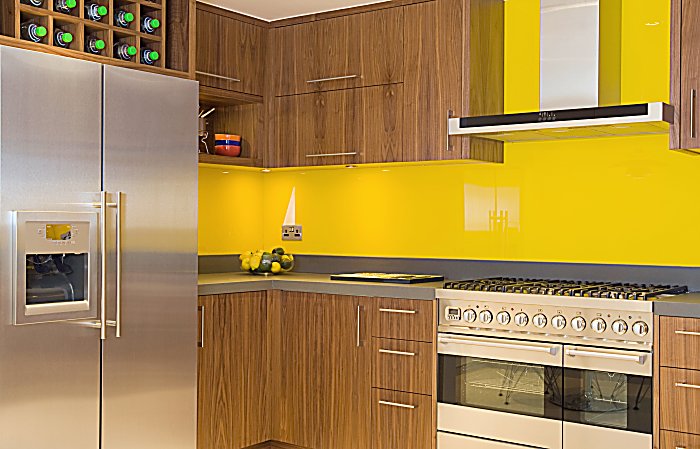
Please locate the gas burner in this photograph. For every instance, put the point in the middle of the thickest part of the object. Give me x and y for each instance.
(583, 289)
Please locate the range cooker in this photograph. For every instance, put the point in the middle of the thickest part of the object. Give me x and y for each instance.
(531, 363)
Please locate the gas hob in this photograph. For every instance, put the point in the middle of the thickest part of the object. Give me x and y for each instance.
(594, 313)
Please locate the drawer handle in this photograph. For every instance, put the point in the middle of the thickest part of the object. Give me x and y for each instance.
(694, 334)
(226, 78)
(351, 153)
(333, 78)
(389, 351)
(396, 404)
(408, 312)
(680, 447)
(686, 385)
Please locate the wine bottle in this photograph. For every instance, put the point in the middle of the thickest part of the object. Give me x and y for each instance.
(149, 25)
(65, 6)
(33, 32)
(34, 3)
(94, 45)
(94, 11)
(62, 38)
(123, 18)
(124, 51)
(149, 56)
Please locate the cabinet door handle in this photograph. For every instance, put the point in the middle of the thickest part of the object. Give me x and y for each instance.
(352, 153)
(687, 385)
(226, 78)
(359, 322)
(694, 334)
(449, 116)
(389, 351)
(200, 343)
(408, 312)
(396, 404)
(693, 101)
(333, 78)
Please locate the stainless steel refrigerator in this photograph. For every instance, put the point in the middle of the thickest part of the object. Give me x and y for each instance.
(98, 256)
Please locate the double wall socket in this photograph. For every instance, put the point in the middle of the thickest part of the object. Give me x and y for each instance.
(291, 232)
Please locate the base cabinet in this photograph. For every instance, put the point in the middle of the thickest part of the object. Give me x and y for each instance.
(401, 420)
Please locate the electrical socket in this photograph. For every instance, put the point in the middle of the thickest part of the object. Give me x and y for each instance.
(291, 232)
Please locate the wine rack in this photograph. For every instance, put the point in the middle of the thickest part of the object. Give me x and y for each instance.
(15, 13)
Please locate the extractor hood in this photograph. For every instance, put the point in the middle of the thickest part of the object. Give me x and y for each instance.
(580, 82)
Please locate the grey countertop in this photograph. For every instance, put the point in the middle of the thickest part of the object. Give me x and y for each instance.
(687, 305)
(220, 283)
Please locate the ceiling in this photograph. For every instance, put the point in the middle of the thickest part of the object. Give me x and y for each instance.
(281, 9)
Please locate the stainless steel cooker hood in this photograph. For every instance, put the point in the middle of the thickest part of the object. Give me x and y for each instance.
(580, 82)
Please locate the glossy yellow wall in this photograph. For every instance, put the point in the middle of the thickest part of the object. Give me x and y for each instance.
(624, 200)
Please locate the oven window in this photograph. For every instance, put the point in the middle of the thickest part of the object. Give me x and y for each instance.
(621, 401)
(512, 387)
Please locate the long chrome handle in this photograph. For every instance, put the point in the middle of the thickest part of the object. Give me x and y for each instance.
(694, 334)
(449, 116)
(687, 385)
(639, 358)
(389, 351)
(408, 312)
(118, 243)
(693, 101)
(93, 324)
(396, 404)
(213, 75)
(359, 322)
(333, 78)
(103, 262)
(352, 153)
(551, 350)
(200, 343)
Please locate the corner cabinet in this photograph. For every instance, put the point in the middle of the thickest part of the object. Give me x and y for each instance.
(685, 75)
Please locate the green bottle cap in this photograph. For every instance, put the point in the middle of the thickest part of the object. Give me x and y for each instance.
(129, 17)
(155, 23)
(102, 10)
(67, 37)
(154, 56)
(131, 51)
(41, 31)
(71, 4)
(100, 44)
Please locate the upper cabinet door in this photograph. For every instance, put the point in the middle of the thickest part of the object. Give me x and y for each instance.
(358, 50)
(690, 75)
(230, 53)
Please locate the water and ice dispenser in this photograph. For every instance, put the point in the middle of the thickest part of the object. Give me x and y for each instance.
(55, 259)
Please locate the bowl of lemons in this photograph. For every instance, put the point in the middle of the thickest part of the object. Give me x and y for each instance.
(267, 263)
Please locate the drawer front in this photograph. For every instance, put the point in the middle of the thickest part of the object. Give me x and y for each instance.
(404, 319)
(403, 365)
(679, 400)
(672, 440)
(401, 420)
(679, 342)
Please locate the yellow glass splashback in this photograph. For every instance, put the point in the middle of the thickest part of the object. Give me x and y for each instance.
(621, 200)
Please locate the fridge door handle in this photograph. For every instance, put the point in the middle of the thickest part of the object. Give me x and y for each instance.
(103, 265)
(118, 244)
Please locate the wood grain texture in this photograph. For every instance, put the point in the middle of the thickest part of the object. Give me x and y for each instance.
(387, 322)
(244, 120)
(230, 48)
(398, 427)
(368, 46)
(675, 88)
(656, 384)
(690, 75)
(322, 376)
(679, 350)
(7, 18)
(365, 121)
(408, 368)
(679, 405)
(225, 160)
(221, 97)
(233, 367)
(342, 12)
(673, 440)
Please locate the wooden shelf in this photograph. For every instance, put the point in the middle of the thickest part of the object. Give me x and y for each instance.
(220, 97)
(226, 160)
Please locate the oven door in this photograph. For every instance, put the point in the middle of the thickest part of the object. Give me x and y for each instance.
(498, 393)
(607, 398)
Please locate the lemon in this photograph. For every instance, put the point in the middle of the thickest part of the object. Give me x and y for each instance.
(245, 255)
(276, 267)
(255, 262)
(245, 265)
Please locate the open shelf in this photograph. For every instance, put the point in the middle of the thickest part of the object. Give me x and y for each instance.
(226, 160)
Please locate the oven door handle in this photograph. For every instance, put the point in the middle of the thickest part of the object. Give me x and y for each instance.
(638, 358)
(551, 350)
